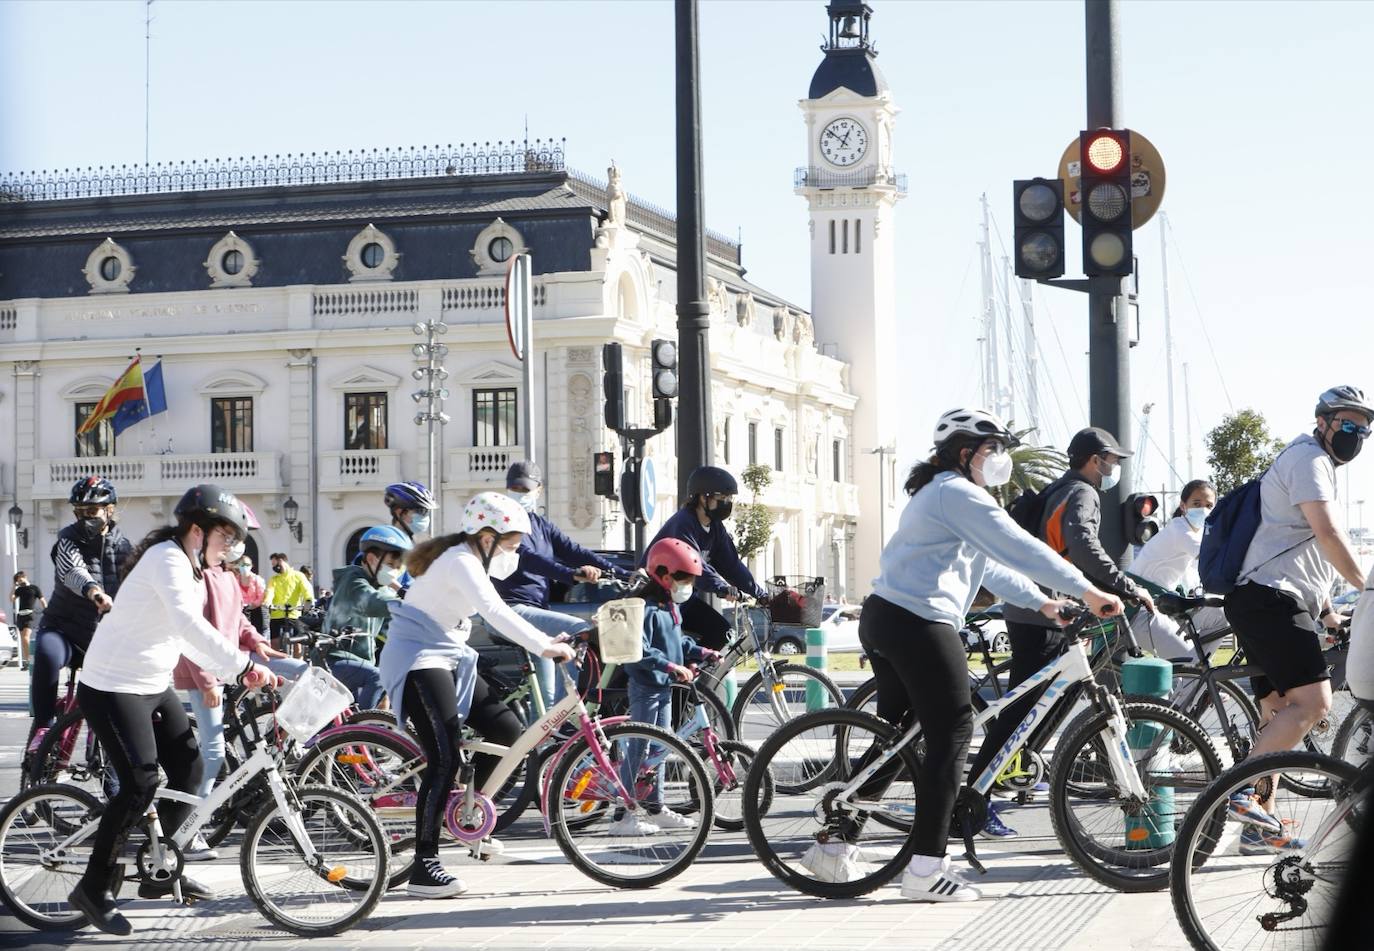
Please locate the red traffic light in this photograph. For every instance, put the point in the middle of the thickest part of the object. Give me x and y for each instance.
(1106, 151)
(1146, 505)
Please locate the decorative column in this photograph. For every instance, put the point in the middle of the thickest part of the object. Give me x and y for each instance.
(300, 458)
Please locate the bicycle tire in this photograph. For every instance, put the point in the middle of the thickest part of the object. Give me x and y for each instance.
(1124, 869)
(862, 695)
(840, 720)
(741, 757)
(1203, 704)
(1197, 839)
(692, 771)
(1353, 739)
(781, 671)
(22, 819)
(359, 879)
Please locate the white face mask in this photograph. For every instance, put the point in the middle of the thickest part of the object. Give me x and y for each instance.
(682, 592)
(234, 552)
(419, 523)
(1196, 517)
(388, 574)
(1111, 477)
(996, 469)
(527, 500)
(503, 564)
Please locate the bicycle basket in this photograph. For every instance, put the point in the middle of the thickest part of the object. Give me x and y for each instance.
(315, 699)
(796, 600)
(620, 629)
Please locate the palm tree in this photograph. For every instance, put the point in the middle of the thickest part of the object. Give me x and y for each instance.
(1032, 468)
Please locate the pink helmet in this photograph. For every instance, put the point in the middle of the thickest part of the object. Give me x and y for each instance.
(668, 557)
(249, 516)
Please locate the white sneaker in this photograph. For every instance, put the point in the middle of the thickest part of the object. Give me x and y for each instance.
(198, 850)
(632, 825)
(831, 862)
(490, 847)
(947, 884)
(670, 821)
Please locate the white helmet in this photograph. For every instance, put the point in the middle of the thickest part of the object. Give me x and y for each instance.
(974, 422)
(494, 510)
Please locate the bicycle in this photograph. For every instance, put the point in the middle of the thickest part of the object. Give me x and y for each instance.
(1229, 894)
(1122, 761)
(578, 788)
(314, 859)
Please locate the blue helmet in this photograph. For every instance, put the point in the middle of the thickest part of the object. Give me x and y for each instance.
(409, 495)
(385, 537)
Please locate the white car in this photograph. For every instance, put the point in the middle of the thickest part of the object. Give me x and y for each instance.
(840, 623)
(9, 641)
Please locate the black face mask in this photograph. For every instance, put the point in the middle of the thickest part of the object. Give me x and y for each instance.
(1345, 446)
(91, 527)
(277, 569)
(721, 512)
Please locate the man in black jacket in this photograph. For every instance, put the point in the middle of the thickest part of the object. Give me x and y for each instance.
(86, 563)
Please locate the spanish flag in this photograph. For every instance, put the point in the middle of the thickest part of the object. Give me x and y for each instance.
(127, 401)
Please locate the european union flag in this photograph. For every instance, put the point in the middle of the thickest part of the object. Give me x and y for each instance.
(154, 401)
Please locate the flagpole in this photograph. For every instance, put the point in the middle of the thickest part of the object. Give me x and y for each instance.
(138, 358)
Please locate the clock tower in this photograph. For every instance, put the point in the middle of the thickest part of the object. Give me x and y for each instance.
(851, 191)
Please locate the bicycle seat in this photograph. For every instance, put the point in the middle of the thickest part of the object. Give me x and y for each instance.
(1175, 605)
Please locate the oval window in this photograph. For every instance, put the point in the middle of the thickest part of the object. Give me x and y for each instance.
(232, 262)
(110, 268)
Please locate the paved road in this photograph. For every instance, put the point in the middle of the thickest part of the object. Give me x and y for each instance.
(531, 898)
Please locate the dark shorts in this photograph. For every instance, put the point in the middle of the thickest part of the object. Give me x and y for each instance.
(1276, 634)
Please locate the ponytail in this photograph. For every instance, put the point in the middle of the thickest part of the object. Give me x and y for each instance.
(944, 459)
(419, 558)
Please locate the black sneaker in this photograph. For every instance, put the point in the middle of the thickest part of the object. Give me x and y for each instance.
(429, 880)
(100, 912)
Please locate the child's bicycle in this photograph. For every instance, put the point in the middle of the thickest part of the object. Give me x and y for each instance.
(314, 859)
(581, 790)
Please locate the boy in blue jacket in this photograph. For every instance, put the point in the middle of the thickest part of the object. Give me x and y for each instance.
(674, 567)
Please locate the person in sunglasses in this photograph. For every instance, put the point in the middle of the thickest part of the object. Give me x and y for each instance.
(1285, 584)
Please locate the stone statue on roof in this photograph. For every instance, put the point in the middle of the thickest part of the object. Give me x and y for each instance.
(615, 197)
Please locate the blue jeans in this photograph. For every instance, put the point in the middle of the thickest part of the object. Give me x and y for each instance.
(290, 668)
(210, 738)
(652, 704)
(362, 679)
(551, 623)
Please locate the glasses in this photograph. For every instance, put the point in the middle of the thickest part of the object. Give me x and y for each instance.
(1350, 426)
(88, 511)
(225, 535)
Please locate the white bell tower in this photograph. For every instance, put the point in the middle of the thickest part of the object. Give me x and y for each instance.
(851, 190)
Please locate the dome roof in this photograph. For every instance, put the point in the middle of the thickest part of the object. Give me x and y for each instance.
(853, 68)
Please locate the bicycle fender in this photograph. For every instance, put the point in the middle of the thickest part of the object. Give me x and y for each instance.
(369, 728)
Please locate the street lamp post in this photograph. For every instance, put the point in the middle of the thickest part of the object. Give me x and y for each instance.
(432, 376)
(882, 452)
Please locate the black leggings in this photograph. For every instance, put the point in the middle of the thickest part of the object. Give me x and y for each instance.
(139, 732)
(1032, 648)
(50, 651)
(922, 669)
(431, 703)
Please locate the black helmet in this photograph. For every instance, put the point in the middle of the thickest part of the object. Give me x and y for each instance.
(93, 490)
(711, 480)
(207, 505)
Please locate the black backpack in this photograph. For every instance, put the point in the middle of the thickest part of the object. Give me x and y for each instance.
(1028, 508)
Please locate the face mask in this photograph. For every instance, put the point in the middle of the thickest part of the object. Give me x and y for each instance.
(996, 469)
(276, 569)
(388, 574)
(503, 564)
(1345, 446)
(91, 527)
(234, 552)
(243, 570)
(681, 592)
(721, 512)
(1197, 517)
(419, 523)
(1111, 478)
(527, 500)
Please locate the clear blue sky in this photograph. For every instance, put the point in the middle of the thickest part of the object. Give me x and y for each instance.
(1260, 110)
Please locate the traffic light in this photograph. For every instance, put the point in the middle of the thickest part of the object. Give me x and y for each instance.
(1142, 517)
(1105, 201)
(603, 474)
(629, 491)
(664, 353)
(613, 382)
(1038, 214)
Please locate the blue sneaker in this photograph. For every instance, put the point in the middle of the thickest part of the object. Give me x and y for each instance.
(995, 828)
(1244, 806)
(1257, 841)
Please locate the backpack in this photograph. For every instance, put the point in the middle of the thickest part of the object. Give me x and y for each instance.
(1226, 537)
(1028, 510)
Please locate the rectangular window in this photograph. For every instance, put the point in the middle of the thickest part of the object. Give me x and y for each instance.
(857, 243)
(231, 424)
(836, 467)
(493, 418)
(832, 235)
(777, 449)
(726, 441)
(97, 442)
(844, 236)
(753, 444)
(365, 421)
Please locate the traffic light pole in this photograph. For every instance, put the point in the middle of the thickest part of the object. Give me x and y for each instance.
(693, 313)
(1109, 367)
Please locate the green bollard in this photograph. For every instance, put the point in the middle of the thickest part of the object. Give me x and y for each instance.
(729, 685)
(1149, 677)
(815, 658)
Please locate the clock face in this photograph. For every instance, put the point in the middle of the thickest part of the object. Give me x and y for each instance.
(843, 142)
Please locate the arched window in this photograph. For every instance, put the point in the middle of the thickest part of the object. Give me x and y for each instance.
(351, 546)
(250, 548)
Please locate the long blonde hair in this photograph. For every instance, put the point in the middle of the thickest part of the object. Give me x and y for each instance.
(423, 555)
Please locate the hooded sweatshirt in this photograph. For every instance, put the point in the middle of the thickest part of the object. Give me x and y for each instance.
(358, 602)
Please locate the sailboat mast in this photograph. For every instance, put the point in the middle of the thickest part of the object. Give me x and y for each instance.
(992, 384)
(1007, 278)
(1168, 341)
(1188, 421)
(1032, 389)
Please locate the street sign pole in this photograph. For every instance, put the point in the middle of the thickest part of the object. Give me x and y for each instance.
(1109, 367)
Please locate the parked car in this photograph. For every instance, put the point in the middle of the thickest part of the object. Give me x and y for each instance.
(994, 630)
(9, 641)
(840, 623)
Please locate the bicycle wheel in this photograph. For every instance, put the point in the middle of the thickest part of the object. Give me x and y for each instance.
(1352, 742)
(1124, 844)
(728, 770)
(384, 771)
(35, 882)
(335, 890)
(608, 855)
(789, 690)
(1232, 889)
(1238, 715)
(717, 714)
(70, 753)
(789, 835)
(864, 697)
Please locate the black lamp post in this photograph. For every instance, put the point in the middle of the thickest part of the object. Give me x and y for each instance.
(291, 511)
(16, 515)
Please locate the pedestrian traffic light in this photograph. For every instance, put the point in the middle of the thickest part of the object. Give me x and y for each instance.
(613, 382)
(1141, 517)
(1038, 214)
(629, 491)
(603, 474)
(1104, 195)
